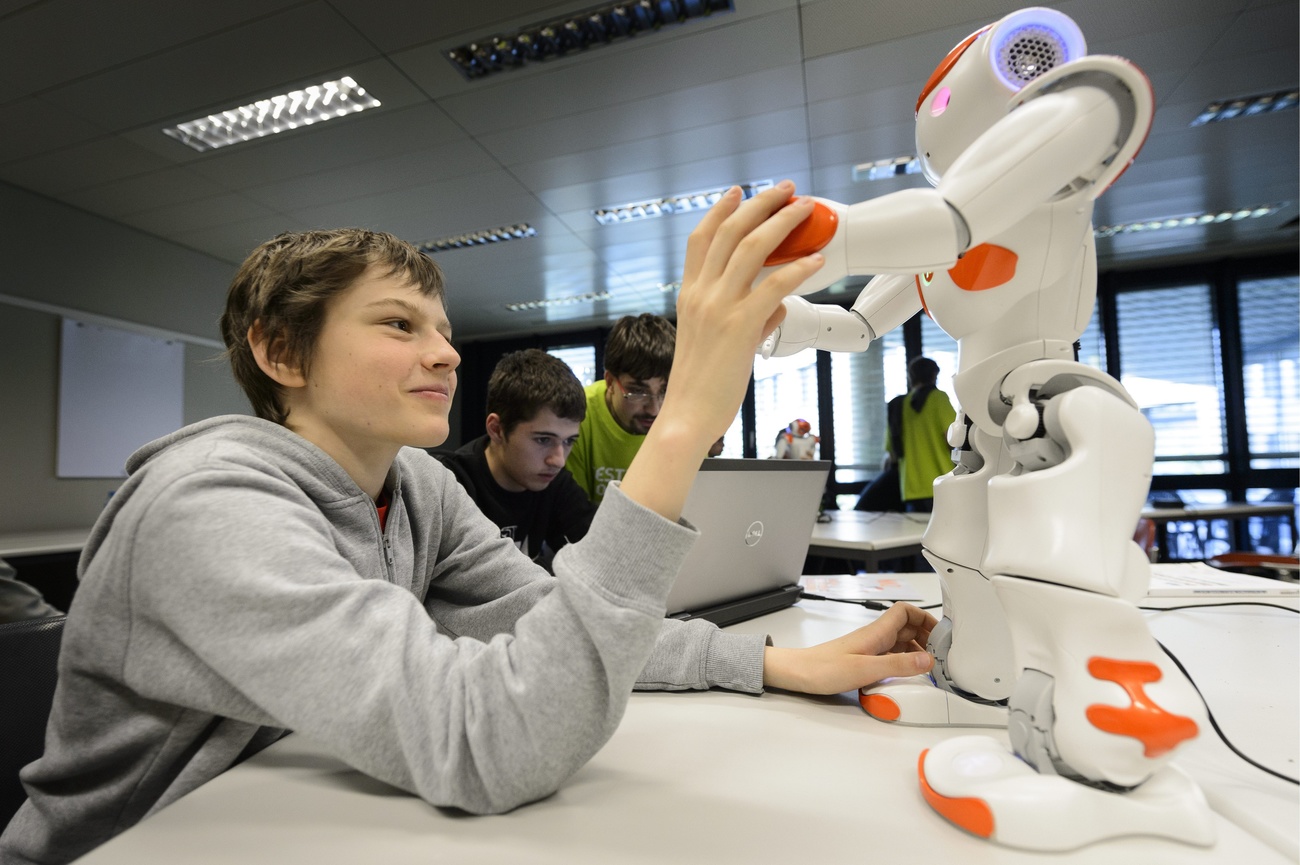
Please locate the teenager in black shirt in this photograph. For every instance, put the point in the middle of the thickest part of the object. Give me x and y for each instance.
(515, 473)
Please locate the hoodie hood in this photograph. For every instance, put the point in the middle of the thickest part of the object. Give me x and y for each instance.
(240, 439)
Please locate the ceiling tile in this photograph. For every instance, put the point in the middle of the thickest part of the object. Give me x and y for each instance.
(155, 189)
(717, 101)
(81, 166)
(632, 70)
(52, 43)
(276, 53)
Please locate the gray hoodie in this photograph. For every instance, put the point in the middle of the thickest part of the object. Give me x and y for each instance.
(239, 586)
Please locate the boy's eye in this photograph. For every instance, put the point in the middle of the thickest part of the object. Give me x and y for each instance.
(401, 324)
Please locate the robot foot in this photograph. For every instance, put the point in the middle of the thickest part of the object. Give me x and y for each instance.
(980, 786)
(917, 701)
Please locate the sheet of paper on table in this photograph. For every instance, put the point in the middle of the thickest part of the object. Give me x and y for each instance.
(862, 587)
(1189, 579)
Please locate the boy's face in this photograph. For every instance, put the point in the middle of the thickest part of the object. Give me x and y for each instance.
(635, 403)
(533, 453)
(382, 375)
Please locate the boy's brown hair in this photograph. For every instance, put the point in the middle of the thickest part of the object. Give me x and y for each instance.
(285, 285)
(641, 346)
(525, 382)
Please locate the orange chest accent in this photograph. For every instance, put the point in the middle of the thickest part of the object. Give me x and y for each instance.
(1158, 730)
(983, 267)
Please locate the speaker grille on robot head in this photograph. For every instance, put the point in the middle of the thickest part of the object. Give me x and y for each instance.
(1029, 52)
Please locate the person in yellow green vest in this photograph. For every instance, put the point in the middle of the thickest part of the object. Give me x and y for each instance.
(924, 454)
(623, 405)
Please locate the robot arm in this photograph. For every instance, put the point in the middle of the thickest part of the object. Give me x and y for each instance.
(1072, 132)
(884, 304)
(1050, 147)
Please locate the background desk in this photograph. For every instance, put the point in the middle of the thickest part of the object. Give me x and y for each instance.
(46, 560)
(15, 544)
(868, 536)
(719, 777)
(1238, 513)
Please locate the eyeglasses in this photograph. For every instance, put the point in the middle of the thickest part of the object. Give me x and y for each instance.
(639, 398)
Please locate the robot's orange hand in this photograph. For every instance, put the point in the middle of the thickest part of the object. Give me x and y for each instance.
(808, 236)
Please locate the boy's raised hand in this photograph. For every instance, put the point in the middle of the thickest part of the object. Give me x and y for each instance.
(722, 317)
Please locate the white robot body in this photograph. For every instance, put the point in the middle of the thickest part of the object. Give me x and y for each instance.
(1019, 131)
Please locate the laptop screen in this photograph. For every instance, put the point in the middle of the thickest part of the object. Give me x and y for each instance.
(755, 518)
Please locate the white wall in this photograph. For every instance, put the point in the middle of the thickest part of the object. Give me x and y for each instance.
(56, 256)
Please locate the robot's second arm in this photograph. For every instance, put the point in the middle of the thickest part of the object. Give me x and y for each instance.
(884, 304)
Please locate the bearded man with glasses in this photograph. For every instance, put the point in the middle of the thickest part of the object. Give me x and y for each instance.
(623, 406)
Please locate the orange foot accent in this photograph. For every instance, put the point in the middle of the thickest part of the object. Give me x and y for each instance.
(808, 236)
(973, 815)
(1158, 730)
(879, 706)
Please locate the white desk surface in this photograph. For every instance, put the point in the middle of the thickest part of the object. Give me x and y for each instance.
(719, 777)
(869, 530)
(42, 543)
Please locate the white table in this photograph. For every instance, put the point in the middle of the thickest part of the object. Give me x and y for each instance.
(722, 777)
(868, 536)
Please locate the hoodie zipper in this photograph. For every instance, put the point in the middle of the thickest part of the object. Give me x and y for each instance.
(385, 546)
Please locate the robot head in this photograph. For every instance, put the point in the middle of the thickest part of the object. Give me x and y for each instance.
(800, 427)
(972, 88)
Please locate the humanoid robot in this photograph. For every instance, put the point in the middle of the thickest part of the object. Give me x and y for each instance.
(1019, 130)
(796, 441)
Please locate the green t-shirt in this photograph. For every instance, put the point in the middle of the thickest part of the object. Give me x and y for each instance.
(926, 452)
(604, 449)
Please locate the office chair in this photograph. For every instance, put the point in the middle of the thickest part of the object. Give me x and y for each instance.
(29, 659)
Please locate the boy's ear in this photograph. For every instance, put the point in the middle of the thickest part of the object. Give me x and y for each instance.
(267, 354)
(496, 432)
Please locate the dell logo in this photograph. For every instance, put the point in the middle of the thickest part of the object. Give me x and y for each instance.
(754, 533)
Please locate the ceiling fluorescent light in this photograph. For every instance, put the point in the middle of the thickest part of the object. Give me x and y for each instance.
(574, 33)
(314, 104)
(1246, 106)
(589, 297)
(479, 238)
(615, 214)
(1105, 231)
(883, 168)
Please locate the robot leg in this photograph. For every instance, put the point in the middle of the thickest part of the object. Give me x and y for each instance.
(1098, 710)
(974, 667)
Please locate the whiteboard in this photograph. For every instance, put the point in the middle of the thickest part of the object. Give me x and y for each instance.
(117, 391)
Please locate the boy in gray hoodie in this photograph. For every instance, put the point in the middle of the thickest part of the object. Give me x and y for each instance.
(309, 570)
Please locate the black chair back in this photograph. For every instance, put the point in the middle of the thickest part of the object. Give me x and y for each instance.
(29, 661)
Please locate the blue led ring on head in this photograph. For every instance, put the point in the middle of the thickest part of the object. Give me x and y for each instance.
(1032, 42)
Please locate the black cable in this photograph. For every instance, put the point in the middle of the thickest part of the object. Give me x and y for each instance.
(1220, 604)
(863, 602)
(870, 605)
(1215, 724)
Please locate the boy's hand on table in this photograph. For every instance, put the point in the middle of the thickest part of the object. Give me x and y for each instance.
(892, 645)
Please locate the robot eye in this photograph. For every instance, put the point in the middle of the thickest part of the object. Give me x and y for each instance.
(940, 103)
